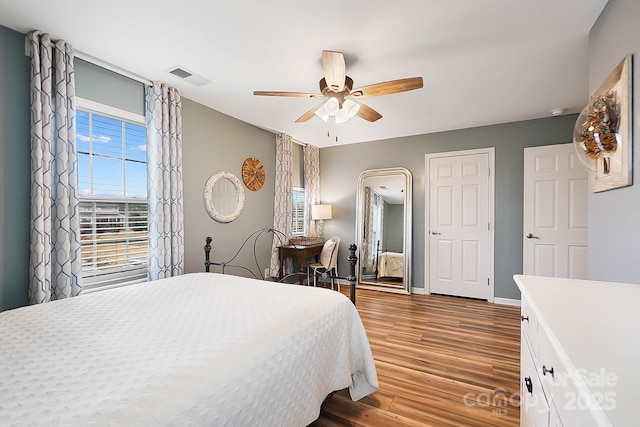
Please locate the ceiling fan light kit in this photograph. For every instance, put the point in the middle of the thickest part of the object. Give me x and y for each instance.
(337, 86)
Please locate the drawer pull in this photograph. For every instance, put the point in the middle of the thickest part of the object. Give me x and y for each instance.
(529, 384)
(523, 318)
(546, 371)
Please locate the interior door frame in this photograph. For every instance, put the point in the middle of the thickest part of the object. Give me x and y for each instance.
(491, 152)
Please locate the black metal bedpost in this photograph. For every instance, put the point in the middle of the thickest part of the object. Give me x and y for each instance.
(207, 252)
(353, 259)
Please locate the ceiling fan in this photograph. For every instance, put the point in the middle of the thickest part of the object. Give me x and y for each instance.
(338, 87)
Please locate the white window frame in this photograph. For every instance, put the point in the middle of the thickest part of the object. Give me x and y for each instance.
(108, 280)
(293, 211)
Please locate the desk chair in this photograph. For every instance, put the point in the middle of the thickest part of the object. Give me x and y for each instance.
(328, 264)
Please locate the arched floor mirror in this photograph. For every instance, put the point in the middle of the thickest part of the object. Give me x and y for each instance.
(383, 229)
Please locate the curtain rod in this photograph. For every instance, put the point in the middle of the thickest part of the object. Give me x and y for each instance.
(111, 67)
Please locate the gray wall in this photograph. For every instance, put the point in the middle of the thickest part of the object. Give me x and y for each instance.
(341, 165)
(14, 170)
(614, 215)
(215, 142)
(393, 231)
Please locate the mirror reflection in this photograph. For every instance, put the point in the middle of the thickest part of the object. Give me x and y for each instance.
(225, 196)
(384, 227)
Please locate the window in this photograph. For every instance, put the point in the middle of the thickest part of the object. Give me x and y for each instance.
(297, 215)
(112, 180)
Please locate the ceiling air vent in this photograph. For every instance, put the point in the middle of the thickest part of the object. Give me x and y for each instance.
(188, 76)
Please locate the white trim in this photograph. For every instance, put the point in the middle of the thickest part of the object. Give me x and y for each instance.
(507, 301)
(114, 68)
(419, 291)
(96, 107)
(491, 152)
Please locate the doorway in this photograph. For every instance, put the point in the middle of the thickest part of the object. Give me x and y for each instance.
(459, 211)
(555, 213)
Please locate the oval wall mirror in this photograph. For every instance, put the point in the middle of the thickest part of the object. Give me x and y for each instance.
(383, 229)
(223, 196)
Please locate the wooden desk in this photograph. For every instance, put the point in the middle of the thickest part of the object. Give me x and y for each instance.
(302, 253)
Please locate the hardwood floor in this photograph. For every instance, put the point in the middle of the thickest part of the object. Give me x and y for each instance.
(441, 361)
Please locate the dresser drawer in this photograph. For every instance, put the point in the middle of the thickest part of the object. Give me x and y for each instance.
(529, 325)
(534, 408)
(559, 386)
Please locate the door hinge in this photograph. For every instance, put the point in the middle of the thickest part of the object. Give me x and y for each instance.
(488, 282)
(489, 171)
(489, 226)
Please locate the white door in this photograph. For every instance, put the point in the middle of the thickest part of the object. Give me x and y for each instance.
(555, 212)
(459, 225)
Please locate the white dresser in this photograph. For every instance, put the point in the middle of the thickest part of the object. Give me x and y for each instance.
(580, 353)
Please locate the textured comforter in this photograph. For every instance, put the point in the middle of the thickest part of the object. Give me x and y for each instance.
(201, 349)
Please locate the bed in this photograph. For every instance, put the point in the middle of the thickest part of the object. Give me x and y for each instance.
(198, 349)
(391, 264)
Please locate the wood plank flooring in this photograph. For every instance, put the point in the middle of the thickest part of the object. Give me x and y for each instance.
(441, 361)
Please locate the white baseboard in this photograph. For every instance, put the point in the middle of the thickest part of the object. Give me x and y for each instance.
(507, 301)
(419, 291)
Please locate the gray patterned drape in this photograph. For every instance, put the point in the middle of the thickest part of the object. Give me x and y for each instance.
(164, 181)
(55, 265)
(373, 221)
(282, 203)
(311, 185)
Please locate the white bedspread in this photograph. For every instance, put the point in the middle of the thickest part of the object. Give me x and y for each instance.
(200, 349)
(391, 264)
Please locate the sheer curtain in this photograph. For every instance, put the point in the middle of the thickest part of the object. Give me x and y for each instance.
(55, 264)
(282, 203)
(164, 176)
(311, 185)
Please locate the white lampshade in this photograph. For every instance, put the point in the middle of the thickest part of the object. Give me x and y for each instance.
(332, 106)
(348, 110)
(322, 113)
(320, 212)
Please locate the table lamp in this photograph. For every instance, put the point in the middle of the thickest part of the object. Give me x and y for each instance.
(321, 212)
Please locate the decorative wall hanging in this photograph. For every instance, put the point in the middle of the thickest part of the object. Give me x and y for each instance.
(253, 174)
(223, 196)
(602, 135)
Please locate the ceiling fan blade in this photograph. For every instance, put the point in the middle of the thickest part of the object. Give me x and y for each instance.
(293, 94)
(334, 70)
(309, 114)
(387, 88)
(368, 113)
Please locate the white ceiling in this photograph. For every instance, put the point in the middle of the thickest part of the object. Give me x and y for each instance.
(483, 61)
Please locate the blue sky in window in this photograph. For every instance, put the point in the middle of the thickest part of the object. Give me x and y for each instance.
(110, 152)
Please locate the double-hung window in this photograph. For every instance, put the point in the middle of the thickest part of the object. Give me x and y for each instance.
(298, 223)
(112, 180)
(297, 217)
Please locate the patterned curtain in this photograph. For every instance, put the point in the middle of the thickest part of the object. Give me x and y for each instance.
(311, 185)
(283, 202)
(373, 222)
(164, 181)
(55, 265)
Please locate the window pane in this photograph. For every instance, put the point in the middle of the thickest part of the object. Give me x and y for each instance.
(84, 177)
(107, 177)
(136, 175)
(106, 136)
(298, 222)
(136, 142)
(82, 131)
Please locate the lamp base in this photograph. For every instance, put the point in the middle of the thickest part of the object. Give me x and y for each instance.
(321, 228)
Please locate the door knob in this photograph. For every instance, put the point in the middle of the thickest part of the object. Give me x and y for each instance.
(435, 233)
(531, 236)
